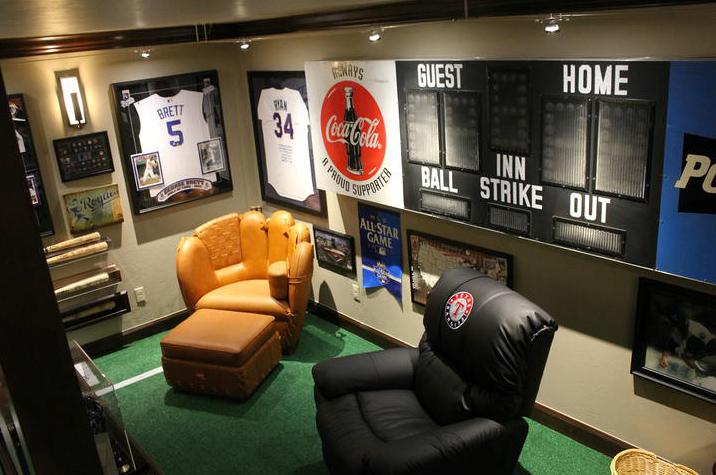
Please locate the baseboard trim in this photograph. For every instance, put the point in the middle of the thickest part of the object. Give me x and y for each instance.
(361, 329)
(545, 415)
(115, 342)
(579, 431)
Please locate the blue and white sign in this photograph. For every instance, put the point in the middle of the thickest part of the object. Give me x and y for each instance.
(380, 249)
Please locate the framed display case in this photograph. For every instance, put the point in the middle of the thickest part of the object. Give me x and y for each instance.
(279, 106)
(28, 154)
(335, 251)
(675, 338)
(82, 156)
(429, 256)
(173, 139)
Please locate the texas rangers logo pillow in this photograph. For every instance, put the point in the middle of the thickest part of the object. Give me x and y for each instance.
(458, 308)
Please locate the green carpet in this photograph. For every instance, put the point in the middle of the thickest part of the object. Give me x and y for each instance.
(274, 431)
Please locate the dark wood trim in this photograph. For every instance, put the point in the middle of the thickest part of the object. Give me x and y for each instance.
(562, 423)
(34, 353)
(411, 11)
(115, 342)
(579, 431)
(362, 330)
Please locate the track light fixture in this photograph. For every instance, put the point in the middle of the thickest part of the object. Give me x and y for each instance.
(551, 23)
(245, 44)
(374, 35)
(145, 53)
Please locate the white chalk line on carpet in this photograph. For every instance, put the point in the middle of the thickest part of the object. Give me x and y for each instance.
(132, 380)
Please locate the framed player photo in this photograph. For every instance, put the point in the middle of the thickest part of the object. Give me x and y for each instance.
(147, 169)
(675, 338)
(94, 208)
(210, 155)
(26, 147)
(429, 256)
(32, 189)
(176, 121)
(82, 156)
(279, 106)
(335, 251)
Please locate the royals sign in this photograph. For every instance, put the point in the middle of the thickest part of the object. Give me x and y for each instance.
(356, 136)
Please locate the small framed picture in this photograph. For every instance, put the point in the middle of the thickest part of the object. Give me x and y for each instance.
(211, 155)
(82, 156)
(147, 168)
(335, 251)
(675, 338)
(32, 188)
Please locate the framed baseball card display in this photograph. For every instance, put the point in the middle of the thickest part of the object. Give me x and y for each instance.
(335, 251)
(26, 147)
(279, 106)
(173, 139)
(430, 256)
(83, 155)
(675, 338)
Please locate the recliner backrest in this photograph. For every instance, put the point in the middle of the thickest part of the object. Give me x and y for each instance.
(489, 341)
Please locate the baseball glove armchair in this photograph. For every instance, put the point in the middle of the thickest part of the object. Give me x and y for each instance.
(453, 405)
(247, 263)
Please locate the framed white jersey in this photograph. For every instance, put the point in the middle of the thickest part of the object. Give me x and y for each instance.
(283, 146)
(173, 119)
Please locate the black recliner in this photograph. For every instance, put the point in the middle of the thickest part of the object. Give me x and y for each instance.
(455, 404)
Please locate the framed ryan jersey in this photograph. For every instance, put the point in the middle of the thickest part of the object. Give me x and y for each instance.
(282, 135)
(173, 139)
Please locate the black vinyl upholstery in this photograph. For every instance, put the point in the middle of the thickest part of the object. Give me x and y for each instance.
(453, 405)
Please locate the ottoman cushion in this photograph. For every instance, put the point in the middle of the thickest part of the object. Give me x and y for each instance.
(218, 337)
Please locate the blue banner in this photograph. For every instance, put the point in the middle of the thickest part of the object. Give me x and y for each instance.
(380, 249)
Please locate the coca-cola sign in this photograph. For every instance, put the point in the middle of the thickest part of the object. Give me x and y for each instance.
(353, 130)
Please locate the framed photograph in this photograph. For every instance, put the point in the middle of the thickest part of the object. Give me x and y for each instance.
(279, 106)
(32, 189)
(92, 209)
(210, 155)
(83, 155)
(335, 251)
(26, 147)
(179, 118)
(675, 338)
(429, 256)
(147, 169)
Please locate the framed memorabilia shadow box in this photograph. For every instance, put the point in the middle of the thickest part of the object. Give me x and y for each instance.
(335, 251)
(429, 256)
(279, 106)
(83, 156)
(173, 139)
(675, 338)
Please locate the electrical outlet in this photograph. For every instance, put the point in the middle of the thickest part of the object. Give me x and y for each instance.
(356, 292)
(139, 295)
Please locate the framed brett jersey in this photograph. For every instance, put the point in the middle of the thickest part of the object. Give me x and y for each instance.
(173, 139)
(279, 106)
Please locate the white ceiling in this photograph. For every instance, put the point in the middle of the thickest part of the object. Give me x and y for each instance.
(25, 18)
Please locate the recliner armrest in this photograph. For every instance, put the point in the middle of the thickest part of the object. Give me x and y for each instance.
(388, 369)
(471, 446)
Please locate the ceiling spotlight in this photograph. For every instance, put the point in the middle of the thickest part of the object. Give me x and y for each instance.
(145, 53)
(551, 23)
(374, 36)
(245, 44)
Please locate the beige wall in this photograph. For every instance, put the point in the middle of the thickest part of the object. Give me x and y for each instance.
(593, 299)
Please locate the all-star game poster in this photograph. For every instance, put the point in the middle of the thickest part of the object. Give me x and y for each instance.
(355, 129)
(173, 139)
(381, 249)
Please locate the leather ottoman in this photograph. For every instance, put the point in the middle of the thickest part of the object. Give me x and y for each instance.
(221, 352)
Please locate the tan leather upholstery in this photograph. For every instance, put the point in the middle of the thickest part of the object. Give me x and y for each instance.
(247, 263)
(221, 353)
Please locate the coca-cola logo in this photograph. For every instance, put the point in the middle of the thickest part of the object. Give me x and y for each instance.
(353, 130)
